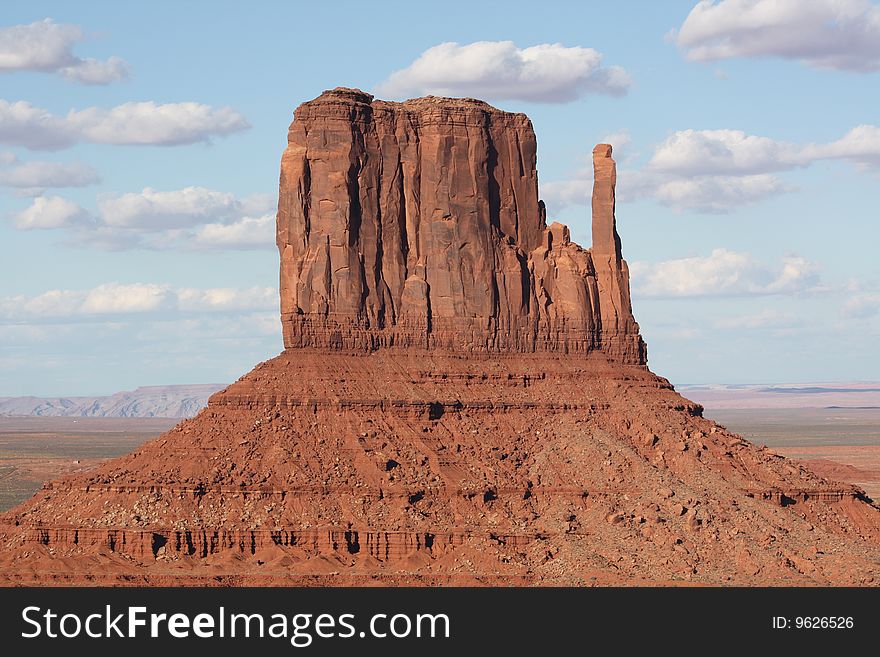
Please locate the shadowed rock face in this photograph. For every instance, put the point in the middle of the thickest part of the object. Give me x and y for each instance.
(418, 224)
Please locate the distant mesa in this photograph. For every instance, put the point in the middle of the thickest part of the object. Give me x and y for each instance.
(147, 401)
(463, 398)
(830, 395)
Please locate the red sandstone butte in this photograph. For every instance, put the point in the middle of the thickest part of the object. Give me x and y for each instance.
(463, 398)
(418, 225)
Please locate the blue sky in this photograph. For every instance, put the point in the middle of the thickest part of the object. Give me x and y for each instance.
(140, 144)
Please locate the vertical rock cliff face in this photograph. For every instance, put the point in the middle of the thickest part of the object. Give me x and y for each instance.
(418, 224)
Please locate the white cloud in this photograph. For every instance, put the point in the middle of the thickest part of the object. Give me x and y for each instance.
(717, 194)
(701, 152)
(136, 123)
(54, 303)
(723, 273)
(149, 123)
(620, 141)
(155, 210)
(733, 152)
(246, 233)
(227, 298)
(93, 71)
(112, 298)
(48, 47)
(46, 212)
(798, 275)
(22, 124)
(860, 145)
(545, 73)
(193, 218)
(134, 298)
(95, 235)
(34, 176)
(560, 194)
(42, 45)
(578, 189)
(715, 171)
(837, 34)
(713, 194)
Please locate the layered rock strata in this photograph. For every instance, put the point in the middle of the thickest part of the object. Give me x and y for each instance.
(463, 399)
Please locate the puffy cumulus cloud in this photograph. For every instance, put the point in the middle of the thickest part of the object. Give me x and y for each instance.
(54, 303)
(41, 45)
(31, 177)
(545, 73)
(193, 218)
(114, 298)
(732, 152)
(135, 123)
(714, 171)
(716, 152)
(47, 46)
(836, 34)
(106, 299)
(246, 233)
(145, 123)
(154, 210)
(47, 212)
(134, 299)
(723, 273)
(22, 124)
